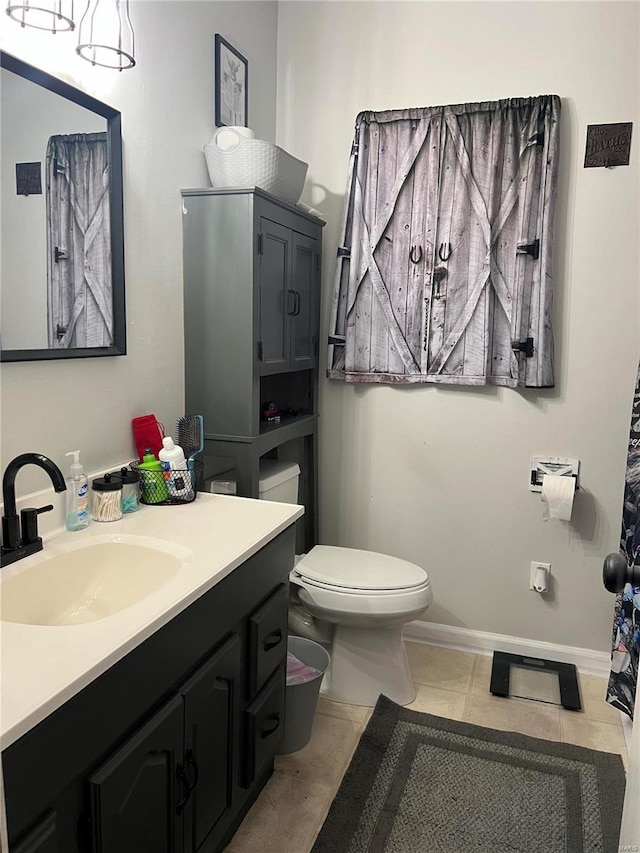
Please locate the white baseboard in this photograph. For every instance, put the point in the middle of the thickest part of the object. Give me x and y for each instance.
(587, 661)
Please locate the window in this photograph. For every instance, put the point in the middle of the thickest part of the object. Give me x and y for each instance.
(444, 271)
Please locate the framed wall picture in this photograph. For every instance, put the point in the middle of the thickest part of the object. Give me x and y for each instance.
(232, 99)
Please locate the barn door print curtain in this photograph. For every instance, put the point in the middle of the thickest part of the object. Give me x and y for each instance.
(625, 654)
(444, 270)
(79, 285)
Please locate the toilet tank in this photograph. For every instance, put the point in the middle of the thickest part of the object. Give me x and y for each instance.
(278, 482)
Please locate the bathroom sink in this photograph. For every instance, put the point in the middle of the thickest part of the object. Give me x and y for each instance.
(84, 582)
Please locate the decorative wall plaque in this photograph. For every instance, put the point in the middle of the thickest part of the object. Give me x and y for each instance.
(608, 144)
(28, 180)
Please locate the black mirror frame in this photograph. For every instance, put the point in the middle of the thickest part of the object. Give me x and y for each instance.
(114, 143)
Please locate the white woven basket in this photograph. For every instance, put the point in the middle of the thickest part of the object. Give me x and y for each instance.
(255, 163)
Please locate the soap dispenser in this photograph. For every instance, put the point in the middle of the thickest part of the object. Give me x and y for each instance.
(77, 516)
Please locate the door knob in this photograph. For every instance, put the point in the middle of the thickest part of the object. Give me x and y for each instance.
(616, 573)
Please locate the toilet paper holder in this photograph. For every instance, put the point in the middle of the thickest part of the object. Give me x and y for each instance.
(561, 466)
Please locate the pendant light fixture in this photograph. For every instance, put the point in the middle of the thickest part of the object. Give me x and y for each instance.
(105, 35)
(56, 16)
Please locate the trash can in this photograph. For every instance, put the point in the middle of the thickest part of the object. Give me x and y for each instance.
(301, 699)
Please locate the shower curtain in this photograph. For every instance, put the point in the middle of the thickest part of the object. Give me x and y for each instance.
(79, 289)
(623, 680)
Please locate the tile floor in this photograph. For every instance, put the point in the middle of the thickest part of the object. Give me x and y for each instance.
(289, 812)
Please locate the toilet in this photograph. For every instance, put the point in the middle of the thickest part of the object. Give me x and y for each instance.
(278, 482)
(353, 602)
(359, 602)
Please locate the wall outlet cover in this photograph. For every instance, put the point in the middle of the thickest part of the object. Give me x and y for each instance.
(535, 565)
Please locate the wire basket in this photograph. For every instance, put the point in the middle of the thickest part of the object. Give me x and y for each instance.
(255, 162)
(169, 488)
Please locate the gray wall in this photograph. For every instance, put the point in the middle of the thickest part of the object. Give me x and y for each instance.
(435, 475)
(167, 104)
(439, 476)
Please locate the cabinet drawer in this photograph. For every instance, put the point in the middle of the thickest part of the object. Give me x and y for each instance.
(267, 638)
(264, 727)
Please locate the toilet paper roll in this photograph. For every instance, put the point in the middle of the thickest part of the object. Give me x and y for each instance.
(557, 497)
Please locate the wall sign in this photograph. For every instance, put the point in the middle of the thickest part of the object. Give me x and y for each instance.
(608, 144)
(28, 181)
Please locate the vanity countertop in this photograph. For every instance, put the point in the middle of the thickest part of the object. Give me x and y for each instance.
(44, 666)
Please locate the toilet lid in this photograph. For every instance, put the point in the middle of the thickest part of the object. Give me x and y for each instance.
(359, 570)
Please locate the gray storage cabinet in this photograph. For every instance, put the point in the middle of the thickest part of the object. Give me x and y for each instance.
(251, 314)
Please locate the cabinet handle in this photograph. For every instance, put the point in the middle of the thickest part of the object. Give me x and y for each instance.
(182, 777)
(274, 639)
(194, 766)
(292, 305)
(296, 307)
(270, 725)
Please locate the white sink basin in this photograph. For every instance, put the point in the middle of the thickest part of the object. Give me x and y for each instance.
(89, 581)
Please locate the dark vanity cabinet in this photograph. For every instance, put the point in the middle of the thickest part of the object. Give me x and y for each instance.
(182, 755)
(166, 751)
(252, 314)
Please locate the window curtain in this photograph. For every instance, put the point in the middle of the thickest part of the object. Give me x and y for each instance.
(444, 270)
(79, 288)
(625, 653)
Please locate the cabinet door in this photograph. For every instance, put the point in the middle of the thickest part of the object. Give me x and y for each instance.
(276, 296)
(135, 794)
(42, 839)
(304, 317)
(210, 700)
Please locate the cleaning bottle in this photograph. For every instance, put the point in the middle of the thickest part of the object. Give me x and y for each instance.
(77, 516)
(153, 486)
(175, 468)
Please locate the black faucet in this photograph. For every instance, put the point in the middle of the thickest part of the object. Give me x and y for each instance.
(20, 537)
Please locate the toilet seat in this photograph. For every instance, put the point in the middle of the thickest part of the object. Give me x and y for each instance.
(388, 590)
(352, 571)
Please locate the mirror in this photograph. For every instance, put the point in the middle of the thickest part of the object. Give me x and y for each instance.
(62, 245)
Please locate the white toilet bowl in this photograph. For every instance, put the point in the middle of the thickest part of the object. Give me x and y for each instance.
(359, 601)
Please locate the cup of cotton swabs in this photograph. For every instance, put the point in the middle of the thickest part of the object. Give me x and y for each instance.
(106, 498)
(190, 437)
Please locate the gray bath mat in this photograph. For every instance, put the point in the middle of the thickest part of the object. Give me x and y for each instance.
(423, 784)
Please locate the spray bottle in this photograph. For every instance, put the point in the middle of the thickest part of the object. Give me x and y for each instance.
(77, 516)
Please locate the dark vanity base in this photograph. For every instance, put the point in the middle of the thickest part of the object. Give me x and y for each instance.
(167, 750)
